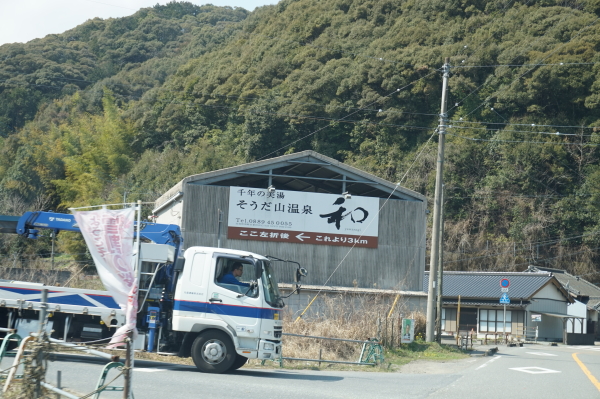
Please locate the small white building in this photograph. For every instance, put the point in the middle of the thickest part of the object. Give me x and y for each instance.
(587, 300)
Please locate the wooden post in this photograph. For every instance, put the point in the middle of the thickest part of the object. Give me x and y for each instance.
(391, 344)
(128, 363)
(458, 321)
(385, 335)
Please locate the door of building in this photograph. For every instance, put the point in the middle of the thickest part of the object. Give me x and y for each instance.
(468, 319)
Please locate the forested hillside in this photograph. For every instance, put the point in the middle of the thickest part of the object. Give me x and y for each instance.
(124, 108)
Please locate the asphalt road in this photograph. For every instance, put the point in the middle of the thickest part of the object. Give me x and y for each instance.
(532, 371)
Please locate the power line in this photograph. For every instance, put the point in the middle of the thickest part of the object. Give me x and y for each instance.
(324, 127)
(522, 124)
(524, 65)
(509, 252)
(522, 196)
(531, 69)
(229, 96)
(354, 54)
(543, 59)
(521, 142)
(520, 131)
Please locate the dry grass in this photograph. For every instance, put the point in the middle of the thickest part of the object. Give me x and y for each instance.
(356, 318)
(64, 274)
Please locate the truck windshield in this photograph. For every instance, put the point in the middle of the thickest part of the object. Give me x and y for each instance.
(269, 283)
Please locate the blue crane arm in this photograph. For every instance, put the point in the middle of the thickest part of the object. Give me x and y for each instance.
(31, 221)
(29, 224)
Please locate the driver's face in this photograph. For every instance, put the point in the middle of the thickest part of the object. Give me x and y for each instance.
(238, 272)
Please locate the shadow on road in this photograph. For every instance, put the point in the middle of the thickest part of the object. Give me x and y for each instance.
(289, 375)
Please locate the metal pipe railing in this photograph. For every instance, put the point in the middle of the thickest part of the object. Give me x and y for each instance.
(58, 390)
(332, 339)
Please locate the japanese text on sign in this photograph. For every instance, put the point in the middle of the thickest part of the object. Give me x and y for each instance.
(330, 219)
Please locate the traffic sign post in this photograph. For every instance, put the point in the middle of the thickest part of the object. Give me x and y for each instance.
(505, 300)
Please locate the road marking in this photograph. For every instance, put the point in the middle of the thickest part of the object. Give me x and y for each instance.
(587, 348)
(587, 372)
(488, 362)
(150, 370)
(541, 354)
(534, 370)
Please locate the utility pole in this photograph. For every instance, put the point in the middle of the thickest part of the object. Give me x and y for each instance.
(435, 237)
(440, 275)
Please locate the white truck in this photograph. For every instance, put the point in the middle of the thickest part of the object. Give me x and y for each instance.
(184, 307)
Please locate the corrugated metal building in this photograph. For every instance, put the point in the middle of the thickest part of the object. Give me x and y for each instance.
(392, 258)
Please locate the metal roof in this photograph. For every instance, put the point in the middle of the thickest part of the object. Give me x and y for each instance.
(575, 284)
(486, 303)
(302, 171)
(487, 284)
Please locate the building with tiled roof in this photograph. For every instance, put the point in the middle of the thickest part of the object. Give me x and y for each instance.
(535, 305)
(586, 294)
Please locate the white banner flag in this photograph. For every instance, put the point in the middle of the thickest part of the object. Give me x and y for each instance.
(109, 237)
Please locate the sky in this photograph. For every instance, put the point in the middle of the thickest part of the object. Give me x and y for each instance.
(25, 20)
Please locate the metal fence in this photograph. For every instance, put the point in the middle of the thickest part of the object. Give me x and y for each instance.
(371, 352)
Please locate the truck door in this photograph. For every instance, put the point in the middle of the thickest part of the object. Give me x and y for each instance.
(192, 291)
(230, 296)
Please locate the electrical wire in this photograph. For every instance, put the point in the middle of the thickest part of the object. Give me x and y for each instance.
(541, 61)
(522, 248)
(524, 65)
(324, 127)
(354, 54)
(522, 142)
(366, 227)
(530, 45)
(522, 124)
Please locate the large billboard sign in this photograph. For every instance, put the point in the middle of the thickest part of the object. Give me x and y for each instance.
(302, 218)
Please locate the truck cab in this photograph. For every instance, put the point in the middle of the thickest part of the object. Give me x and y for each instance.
(227, 321)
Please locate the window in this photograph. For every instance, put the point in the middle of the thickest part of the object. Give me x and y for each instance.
(493, 320)
(235, 275)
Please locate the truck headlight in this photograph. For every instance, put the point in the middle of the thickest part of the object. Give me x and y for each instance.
(268, 347)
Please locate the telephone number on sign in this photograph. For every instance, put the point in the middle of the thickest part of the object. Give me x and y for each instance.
(263, 222)
(277, 223)
(250, 221)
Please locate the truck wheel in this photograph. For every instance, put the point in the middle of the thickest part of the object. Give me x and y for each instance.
(238, 362)
(213, 352)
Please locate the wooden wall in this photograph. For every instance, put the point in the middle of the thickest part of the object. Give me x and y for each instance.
(398, 262)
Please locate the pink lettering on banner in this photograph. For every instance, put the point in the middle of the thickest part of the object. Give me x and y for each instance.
(109, 236)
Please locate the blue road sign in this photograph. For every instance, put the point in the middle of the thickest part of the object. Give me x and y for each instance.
(504, 299)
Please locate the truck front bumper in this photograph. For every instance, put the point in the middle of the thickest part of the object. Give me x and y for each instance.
(269, 349)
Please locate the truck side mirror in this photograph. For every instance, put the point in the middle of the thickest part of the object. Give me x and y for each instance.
(257, 271)
(300, 272)
(179, 262)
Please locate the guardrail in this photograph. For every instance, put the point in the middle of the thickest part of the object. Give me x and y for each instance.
(371, 353)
